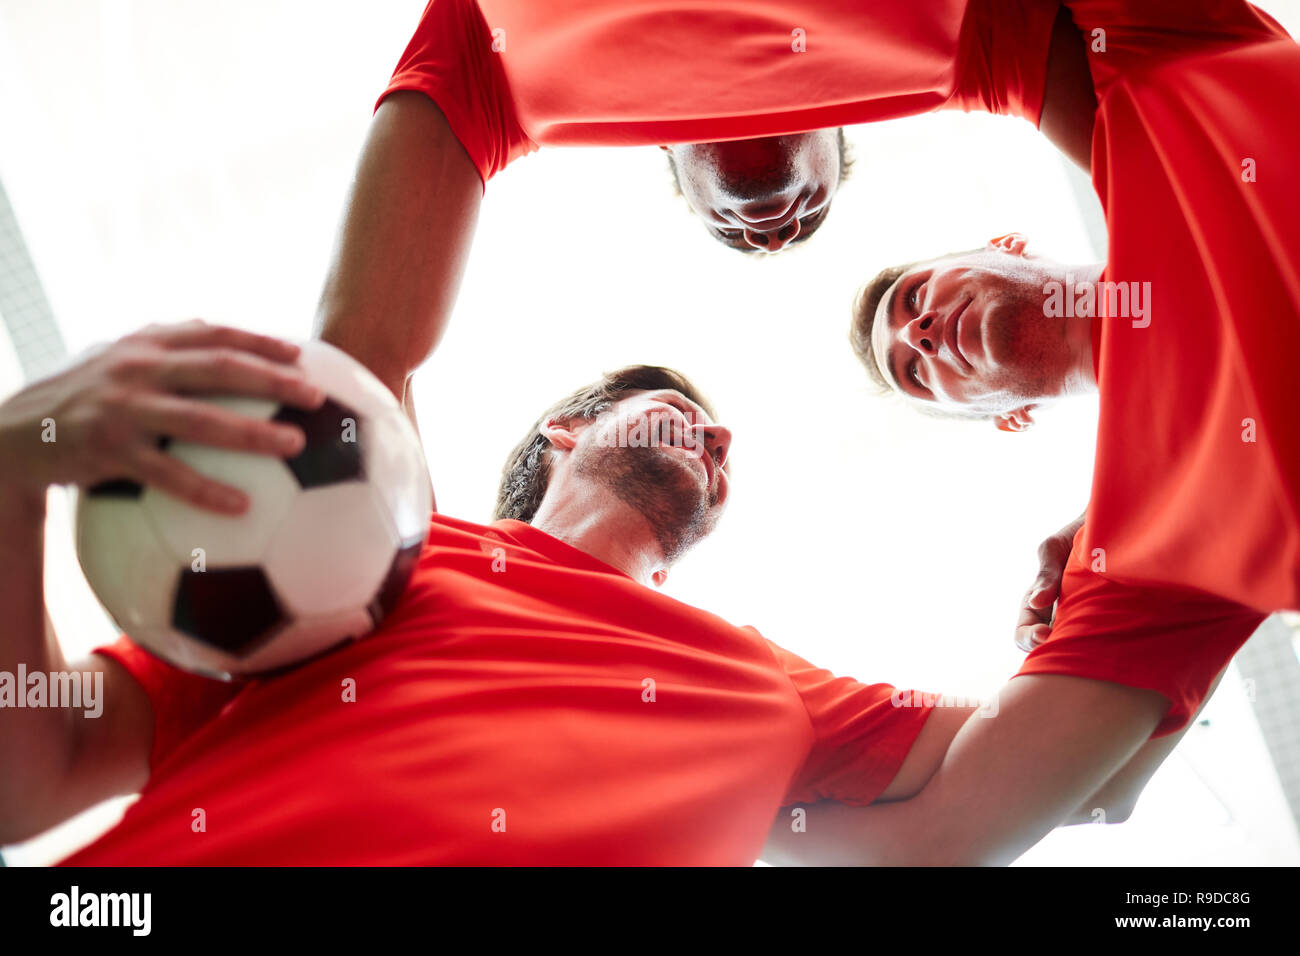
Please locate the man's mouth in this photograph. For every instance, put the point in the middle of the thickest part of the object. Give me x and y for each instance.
(952, 332)
(772, 218)
(707, 459)
(679, 437)
(700, 454)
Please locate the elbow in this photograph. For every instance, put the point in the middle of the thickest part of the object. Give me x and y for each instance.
(967, 845)
(1116, 811)
(947, 858)
(1120, 812)
(951, 850)
(973, 857)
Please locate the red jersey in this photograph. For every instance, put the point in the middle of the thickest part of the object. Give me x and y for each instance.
(1193, 529)
(525, 703)
(512, 75)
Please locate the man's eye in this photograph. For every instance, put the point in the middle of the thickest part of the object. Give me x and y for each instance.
(914, 298)
(913, 370)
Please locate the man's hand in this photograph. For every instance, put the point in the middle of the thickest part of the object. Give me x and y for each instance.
(1036, 609)
(102, 417)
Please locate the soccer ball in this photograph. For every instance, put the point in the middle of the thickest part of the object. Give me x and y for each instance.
(322, 554)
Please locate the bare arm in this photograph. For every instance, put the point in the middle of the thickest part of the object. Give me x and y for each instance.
(88, 761)
(406, 234)
(35, 743)
(1003, 783)
(1117, 796)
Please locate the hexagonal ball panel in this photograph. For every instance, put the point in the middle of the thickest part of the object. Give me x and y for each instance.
(335, 435)
(226, 540)
(231, 609)
(332, 551)
(125, 562)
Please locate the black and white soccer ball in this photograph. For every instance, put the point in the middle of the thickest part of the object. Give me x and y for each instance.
(322, 554)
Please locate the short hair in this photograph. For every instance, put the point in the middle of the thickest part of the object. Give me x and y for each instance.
(846, 167)
(865, 305)
(527, 471)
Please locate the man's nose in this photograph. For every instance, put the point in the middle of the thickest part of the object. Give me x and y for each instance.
(774, 240)
(716, 440)
(922, 333)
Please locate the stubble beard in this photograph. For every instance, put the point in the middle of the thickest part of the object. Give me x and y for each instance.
(1021, 329)
(659, 489)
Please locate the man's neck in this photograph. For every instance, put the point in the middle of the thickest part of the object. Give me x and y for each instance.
(591, 518)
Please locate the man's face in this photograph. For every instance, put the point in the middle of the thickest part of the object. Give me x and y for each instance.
(970, 332)
(661, 453)
(761, 194)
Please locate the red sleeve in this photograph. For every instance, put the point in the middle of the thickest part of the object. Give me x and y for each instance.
(1002, 59)
(450, 59)
(182, 702)
(1171, 641)
(863, 733)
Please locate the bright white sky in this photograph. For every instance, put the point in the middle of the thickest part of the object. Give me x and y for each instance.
(171, 158)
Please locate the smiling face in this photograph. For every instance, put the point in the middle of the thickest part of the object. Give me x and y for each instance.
(969, 332)
(761, 195)
(661, 453)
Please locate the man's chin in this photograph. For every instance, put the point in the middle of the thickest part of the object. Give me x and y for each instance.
(681, 517)
(667, 488)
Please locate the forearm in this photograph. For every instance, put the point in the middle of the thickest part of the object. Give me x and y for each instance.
(1018, 776)
(407, 228)
(1005, 782)
(36, 743)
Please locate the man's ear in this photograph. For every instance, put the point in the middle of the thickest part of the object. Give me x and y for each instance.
(1013, 243)
(562, 432)
(1016, 420)
(659, 577)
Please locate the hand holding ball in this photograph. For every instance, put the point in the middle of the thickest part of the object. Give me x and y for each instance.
(320, 557)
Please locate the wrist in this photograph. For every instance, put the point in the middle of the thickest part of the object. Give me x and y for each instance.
(20, 507)
(17, 490)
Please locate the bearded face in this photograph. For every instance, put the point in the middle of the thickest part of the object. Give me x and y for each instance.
(654, 453)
